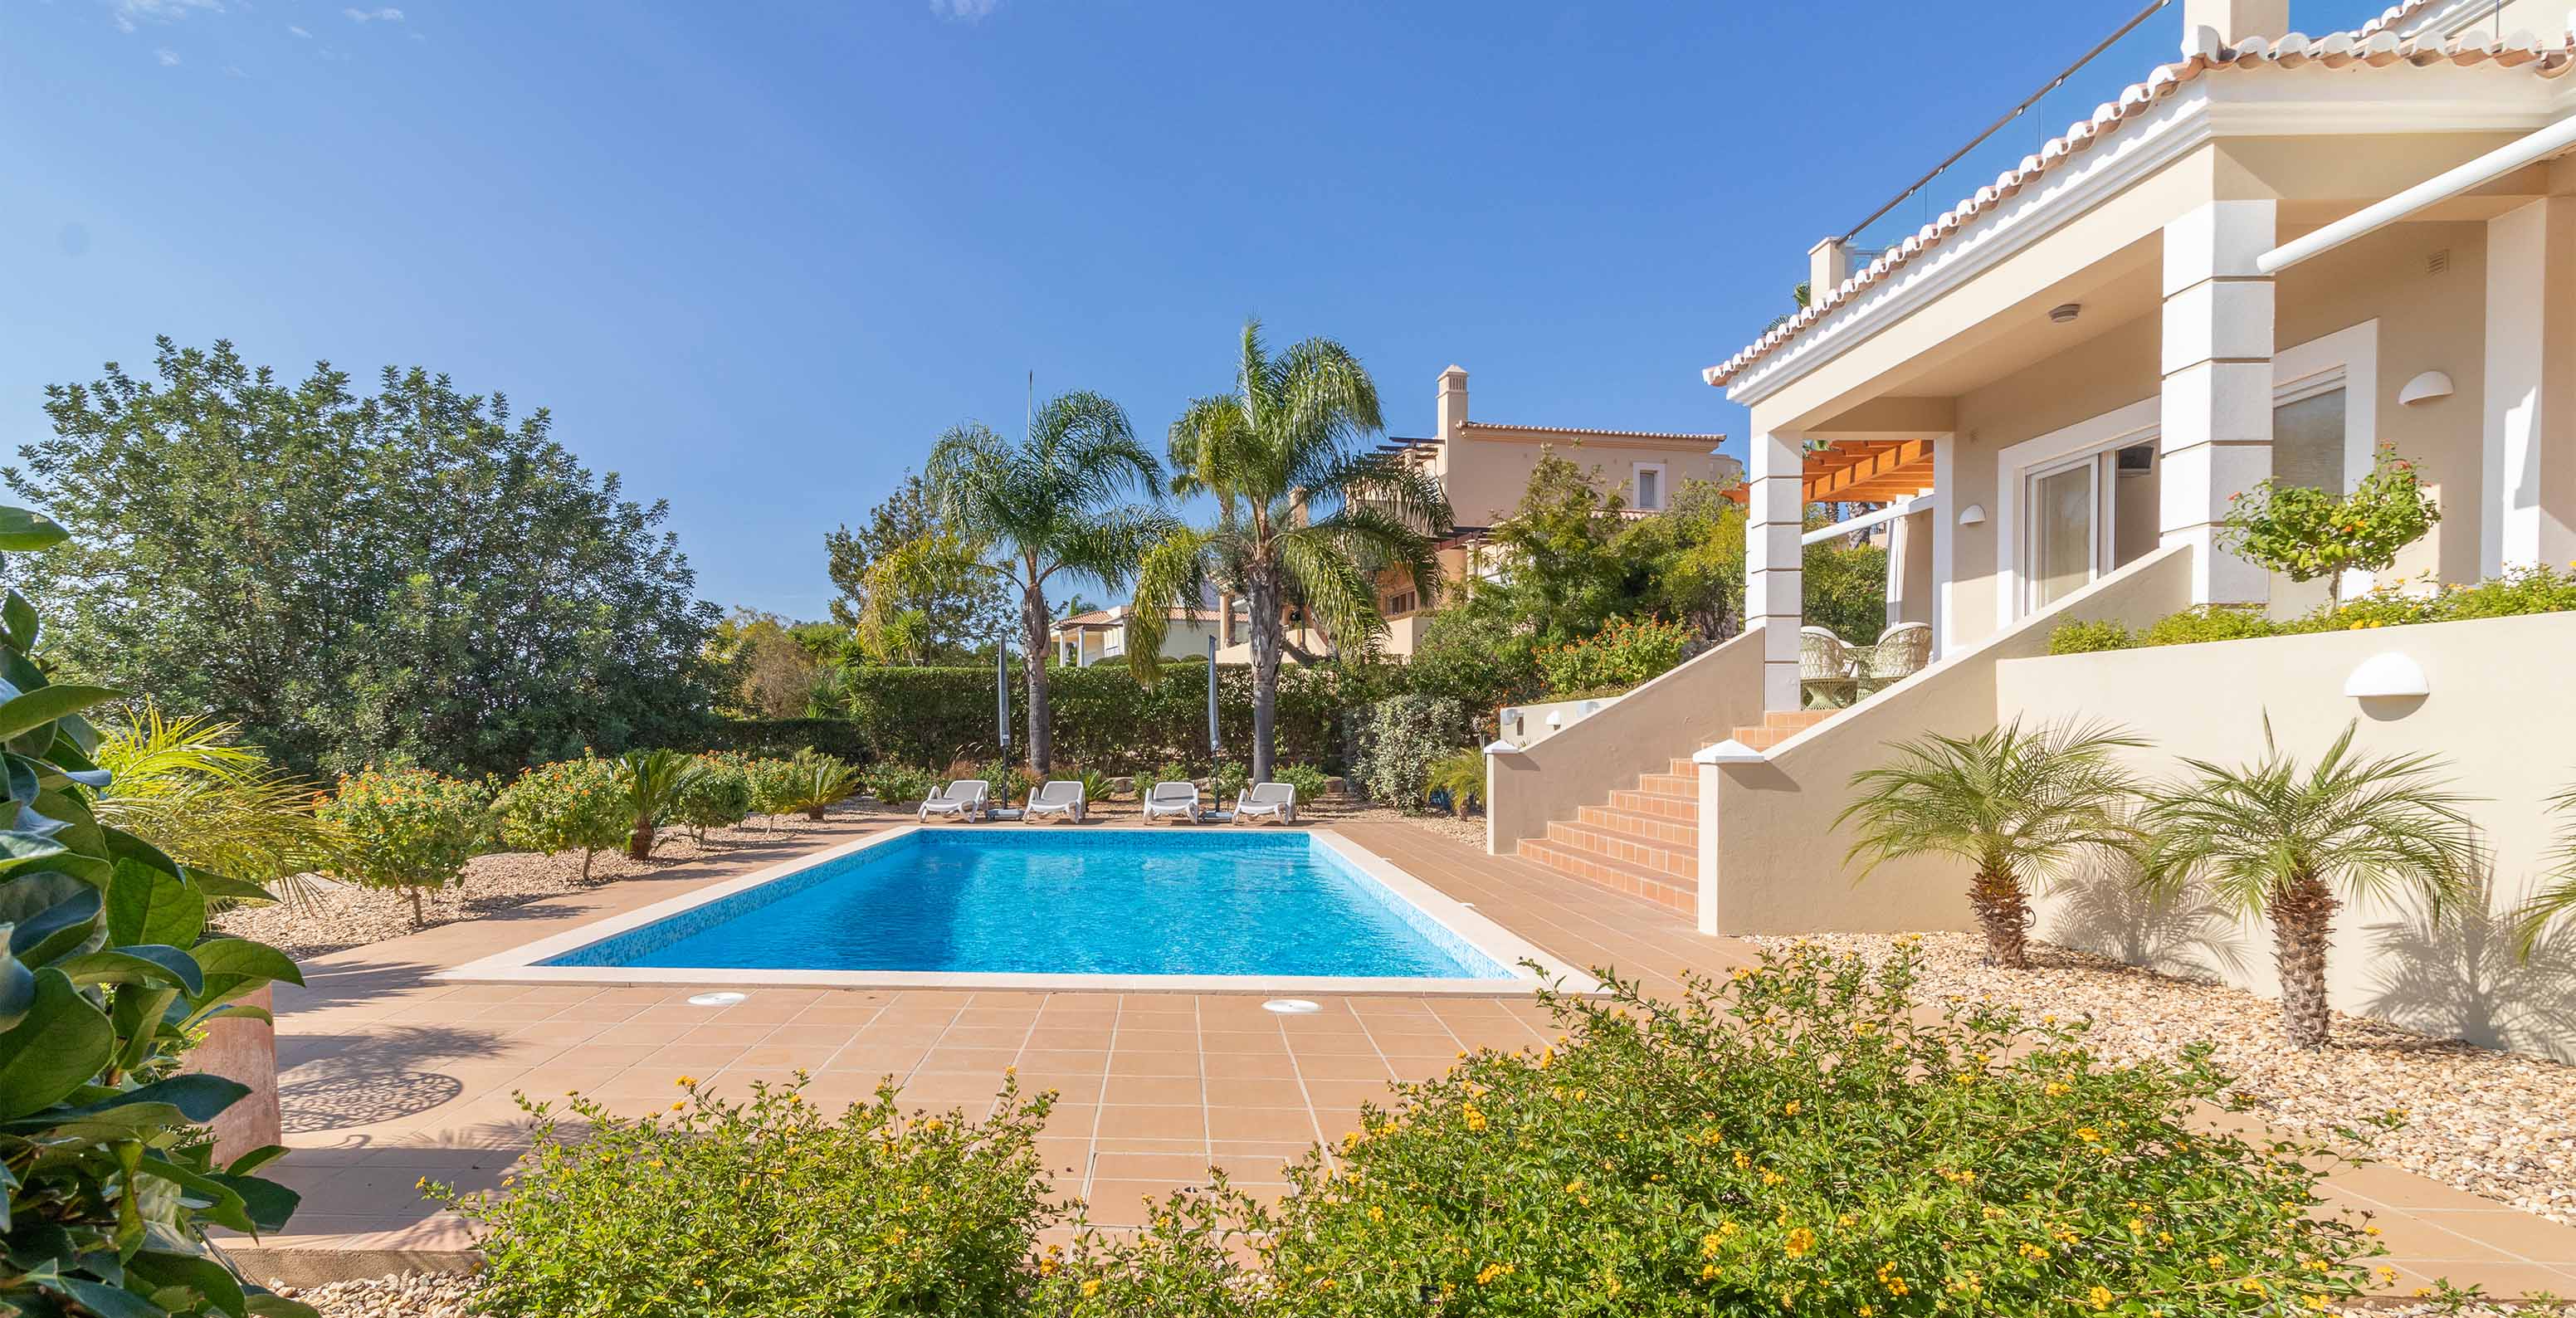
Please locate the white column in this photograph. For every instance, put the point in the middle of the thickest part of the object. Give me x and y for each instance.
(2529, 460)
(1773, 592)
(2217, 395)
(1945, 537)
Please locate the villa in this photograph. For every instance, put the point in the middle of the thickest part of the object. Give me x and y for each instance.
(2269, 257)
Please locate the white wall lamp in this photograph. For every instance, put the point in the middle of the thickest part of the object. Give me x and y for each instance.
(1498, 746)
(2387, 676)
(1973, 515)
(2425, 388)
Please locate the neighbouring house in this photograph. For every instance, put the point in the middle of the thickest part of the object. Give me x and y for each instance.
(2271, 254)
(1088, 638)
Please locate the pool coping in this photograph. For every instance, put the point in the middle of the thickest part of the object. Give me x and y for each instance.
(522, 964)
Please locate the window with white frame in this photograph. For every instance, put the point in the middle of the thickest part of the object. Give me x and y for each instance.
(1646, 480)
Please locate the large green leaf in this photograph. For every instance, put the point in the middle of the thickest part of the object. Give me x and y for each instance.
(23, 529)
(194, 1271)
(62, 1043)
(146, 904)
(139, 963)
(20, 850)
(17, 985)
(62, 929)
(139, 1011)
(35, 709)
(106, 1301)
(227, 888)
(268, 1203)
(18, 622)
(221, 1203)
(230, 962)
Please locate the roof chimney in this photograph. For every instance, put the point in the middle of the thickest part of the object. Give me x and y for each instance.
(2229, 22)
(1828, 265)
(1453, 403)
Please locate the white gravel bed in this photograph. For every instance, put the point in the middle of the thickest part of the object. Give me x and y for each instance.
(402, 1295)
(2496, 1124)
(348, 915)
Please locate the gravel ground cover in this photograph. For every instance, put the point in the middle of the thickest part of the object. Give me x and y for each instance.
(2500, 1125)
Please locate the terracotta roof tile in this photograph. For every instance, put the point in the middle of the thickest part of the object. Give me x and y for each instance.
(1711, 440)
(2373, 46)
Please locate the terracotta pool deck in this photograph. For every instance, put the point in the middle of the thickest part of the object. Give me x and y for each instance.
(387, 1075)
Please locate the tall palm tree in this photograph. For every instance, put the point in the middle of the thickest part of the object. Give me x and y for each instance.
(1306, 514)
(1054, 505)
(2294, 844)
(2559, 897)
(2021, 807)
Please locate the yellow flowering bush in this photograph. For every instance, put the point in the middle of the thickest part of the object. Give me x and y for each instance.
(565, 806)
(407, 828)
(1793, 1141)
(765, 1206)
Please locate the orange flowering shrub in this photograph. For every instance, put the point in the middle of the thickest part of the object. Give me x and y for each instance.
(1617, 657)
(408, 828)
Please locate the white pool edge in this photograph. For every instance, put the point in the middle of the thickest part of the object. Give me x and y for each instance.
(522, 964)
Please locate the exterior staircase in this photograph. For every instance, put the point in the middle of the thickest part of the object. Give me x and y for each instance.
(1645, 840)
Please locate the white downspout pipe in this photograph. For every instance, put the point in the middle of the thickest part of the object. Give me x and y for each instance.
(2441, 187)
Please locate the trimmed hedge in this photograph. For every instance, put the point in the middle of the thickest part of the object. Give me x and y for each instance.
(781, 738)
(1103, 717)
(2518, 592)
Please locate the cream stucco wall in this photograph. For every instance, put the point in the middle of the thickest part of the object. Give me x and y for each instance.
(2497, 715)
(1485, 476)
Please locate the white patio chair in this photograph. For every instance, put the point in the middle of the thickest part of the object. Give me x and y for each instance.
(1825, 675)
(1058, 798)
(1267, 801)
(966, 798)
(1172, 801)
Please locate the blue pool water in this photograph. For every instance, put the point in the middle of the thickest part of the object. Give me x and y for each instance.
(1089, 902)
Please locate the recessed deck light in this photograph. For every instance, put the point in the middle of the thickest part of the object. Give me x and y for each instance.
(2064, 313)
(717, 999)
(1292, 1006)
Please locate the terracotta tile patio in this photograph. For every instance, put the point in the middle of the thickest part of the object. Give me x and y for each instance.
(387, 1076)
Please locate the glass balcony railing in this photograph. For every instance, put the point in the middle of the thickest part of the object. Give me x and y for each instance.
(2150, 36)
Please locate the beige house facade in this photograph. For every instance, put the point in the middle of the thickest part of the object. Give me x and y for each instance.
(2269, 257)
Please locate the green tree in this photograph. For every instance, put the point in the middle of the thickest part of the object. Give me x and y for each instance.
(108, 975)
(1692, 554)
(2019, 807)
(1306, 514)
(411, 574)
(2310, 533)
(766, 666)
(1049, 508)
(933, 620)
(1563, 569)
(2294, 844)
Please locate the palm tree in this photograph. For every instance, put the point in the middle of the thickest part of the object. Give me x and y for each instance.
(1306, 514)
(2559, 897)
(652, 782)
(2020, 807)
(1053, 505)
(2294, 844)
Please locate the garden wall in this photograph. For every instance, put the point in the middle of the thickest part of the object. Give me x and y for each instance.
(1771, 854)
(2499, 712)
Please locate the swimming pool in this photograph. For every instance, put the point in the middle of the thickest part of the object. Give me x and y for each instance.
(1091, 907)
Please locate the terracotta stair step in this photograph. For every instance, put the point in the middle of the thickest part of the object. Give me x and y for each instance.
(1663, 805)
(1669, 784)
(1662, 829)
(1618, 876)
(1676, 863)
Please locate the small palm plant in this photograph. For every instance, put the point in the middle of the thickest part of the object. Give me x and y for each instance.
(1460, 774)
(2019, 806)
(818, 783)
(2294, 844)
(2559, 897)
(653, 782)
(189, 787)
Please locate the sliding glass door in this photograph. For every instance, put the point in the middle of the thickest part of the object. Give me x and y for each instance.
(2065, 547)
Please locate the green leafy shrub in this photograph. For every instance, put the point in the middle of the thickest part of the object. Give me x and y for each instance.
(1307, 779)
(1797, 1140)
(1011, 782)
(564, 806)
(189, 787)
(2073, 637)
(2215, 622)
(408, 828)
(1227, 781)
(108, 975)
(1617, 657)
(717, 796)
(816, 782)
(1102, 716)
(1172, 771)
(763, 1208)
(781, 738)
(1400, 737)
(899, 784)
(650, 784)
(1096, 783)
(2310, 533)
(773, 784)
(1458, 776)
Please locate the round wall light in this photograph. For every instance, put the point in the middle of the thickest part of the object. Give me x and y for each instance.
(2064, 313)
(2390, 674)
(2425, 388)
(1973, 515)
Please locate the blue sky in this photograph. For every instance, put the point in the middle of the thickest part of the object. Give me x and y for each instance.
(755, 257)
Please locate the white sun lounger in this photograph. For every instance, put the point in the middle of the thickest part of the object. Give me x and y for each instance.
(1172, 801)
(966, 798)
(1057, 796)
(1267, 801)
